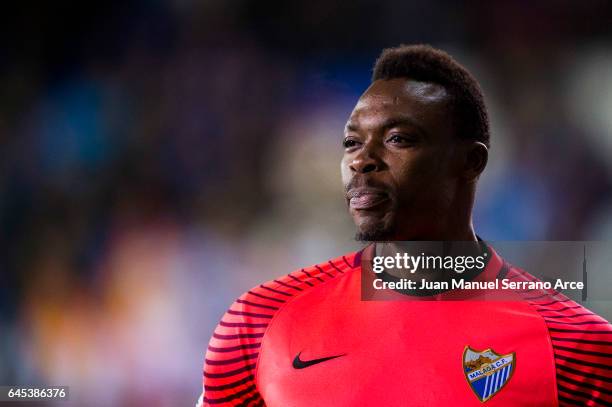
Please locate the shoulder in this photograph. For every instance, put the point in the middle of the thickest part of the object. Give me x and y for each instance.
(233, 350)
(581, 342)
(272, 294)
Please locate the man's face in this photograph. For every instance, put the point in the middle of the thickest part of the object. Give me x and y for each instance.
(399, 167)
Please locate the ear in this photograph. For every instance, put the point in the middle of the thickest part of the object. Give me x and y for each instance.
(476, 155)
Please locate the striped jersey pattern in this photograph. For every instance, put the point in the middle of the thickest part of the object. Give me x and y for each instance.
(234, 347)
(582, 345)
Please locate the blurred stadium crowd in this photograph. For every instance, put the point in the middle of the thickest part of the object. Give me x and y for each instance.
(156, 160)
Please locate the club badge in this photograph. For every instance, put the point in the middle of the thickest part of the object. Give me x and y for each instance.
(487, 372)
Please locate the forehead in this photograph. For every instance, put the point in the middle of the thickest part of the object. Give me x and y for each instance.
(421, 100)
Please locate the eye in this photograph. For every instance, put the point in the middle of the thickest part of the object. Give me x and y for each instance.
(401, 139)
(349, 143)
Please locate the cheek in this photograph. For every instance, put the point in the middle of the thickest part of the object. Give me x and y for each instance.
(428, 185)
(416, 170)
(422, 181)
(345, 171)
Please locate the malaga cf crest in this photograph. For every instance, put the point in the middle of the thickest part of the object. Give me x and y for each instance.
(487, 372)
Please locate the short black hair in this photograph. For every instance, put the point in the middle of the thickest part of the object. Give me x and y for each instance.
(427, 64)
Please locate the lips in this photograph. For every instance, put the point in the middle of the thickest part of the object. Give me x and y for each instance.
(362, 199)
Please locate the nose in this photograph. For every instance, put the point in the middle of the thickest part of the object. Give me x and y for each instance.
(365, 162)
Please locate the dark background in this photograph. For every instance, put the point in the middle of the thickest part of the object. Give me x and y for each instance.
(158, 158)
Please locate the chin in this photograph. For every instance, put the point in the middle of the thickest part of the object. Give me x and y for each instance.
(374, 232)
(374, 227)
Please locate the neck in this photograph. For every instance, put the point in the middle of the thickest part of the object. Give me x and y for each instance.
(453, 223)
(453, 232)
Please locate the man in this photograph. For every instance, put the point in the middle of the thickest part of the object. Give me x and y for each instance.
(414, 147)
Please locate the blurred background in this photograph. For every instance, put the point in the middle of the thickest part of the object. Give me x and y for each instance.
(159, 158)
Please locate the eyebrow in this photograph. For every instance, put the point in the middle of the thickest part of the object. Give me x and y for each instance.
(390, 123)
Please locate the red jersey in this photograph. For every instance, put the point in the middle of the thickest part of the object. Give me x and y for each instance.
(307, 339)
